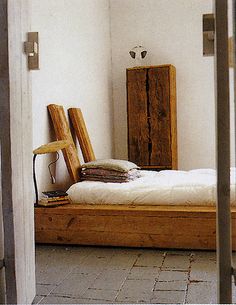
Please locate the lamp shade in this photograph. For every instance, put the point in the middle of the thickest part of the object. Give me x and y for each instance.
(51, 147)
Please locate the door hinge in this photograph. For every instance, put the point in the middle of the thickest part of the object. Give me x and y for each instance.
(31, 48)
(2, 263)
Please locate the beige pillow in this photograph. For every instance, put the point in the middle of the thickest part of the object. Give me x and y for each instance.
(111, 164)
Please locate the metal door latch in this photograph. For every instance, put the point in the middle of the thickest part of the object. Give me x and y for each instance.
(31, 48)
(208, 28)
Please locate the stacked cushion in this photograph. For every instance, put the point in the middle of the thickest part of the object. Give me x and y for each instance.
(110, 170)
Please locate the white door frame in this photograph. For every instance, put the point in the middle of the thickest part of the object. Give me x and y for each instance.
(7, 206)
(16, 154)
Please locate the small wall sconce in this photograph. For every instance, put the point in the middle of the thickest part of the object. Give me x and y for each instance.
(138, 52)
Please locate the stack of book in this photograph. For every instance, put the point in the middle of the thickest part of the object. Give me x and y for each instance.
(54, 198)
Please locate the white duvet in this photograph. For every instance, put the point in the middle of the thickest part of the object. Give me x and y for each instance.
(169, 187)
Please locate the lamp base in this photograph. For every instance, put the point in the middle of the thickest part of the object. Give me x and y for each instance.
(35, 182)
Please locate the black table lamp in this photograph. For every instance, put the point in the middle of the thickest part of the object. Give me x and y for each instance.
(51, 147)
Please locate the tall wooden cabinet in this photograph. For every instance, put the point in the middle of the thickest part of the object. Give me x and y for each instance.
(151, 107)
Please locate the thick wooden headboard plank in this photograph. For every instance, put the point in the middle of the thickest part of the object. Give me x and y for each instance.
(62, 131)
(78, 123)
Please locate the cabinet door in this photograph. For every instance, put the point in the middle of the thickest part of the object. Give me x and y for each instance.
(138, 132)
(159, 116)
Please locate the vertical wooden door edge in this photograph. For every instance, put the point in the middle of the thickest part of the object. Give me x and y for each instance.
(173, 113)
(224, 241)
(6, 162)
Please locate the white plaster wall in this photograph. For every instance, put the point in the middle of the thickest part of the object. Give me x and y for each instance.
(172, 33)
(75, 71)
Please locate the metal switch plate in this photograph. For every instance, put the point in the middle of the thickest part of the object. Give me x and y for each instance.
(32, 50)
(208, 27)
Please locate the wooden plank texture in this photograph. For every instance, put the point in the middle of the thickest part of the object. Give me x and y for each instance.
(62, 131)
(128, 239)
(138, 134)
(80, 128)
(114, 209)
(130, 226)
(151, 110)
(159, 109)
(173, 117)
(223, 155)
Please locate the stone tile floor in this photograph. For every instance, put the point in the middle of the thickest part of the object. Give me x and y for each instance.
(86, 275)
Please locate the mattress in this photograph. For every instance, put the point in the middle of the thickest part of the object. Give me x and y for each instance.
(169, 187)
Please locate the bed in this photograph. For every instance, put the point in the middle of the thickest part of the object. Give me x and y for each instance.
(92, 220)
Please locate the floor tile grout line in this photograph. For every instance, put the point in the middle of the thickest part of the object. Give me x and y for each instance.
(71, 296)
(183, 290)
(156, 280)
(122, 284)
(97, 276)
(191, 259)
(42, 297)
(59, 283)
(65, 278)
(160, 269)
(81, 296)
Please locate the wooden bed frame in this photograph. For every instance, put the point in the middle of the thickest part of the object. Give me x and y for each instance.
(180, 227)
